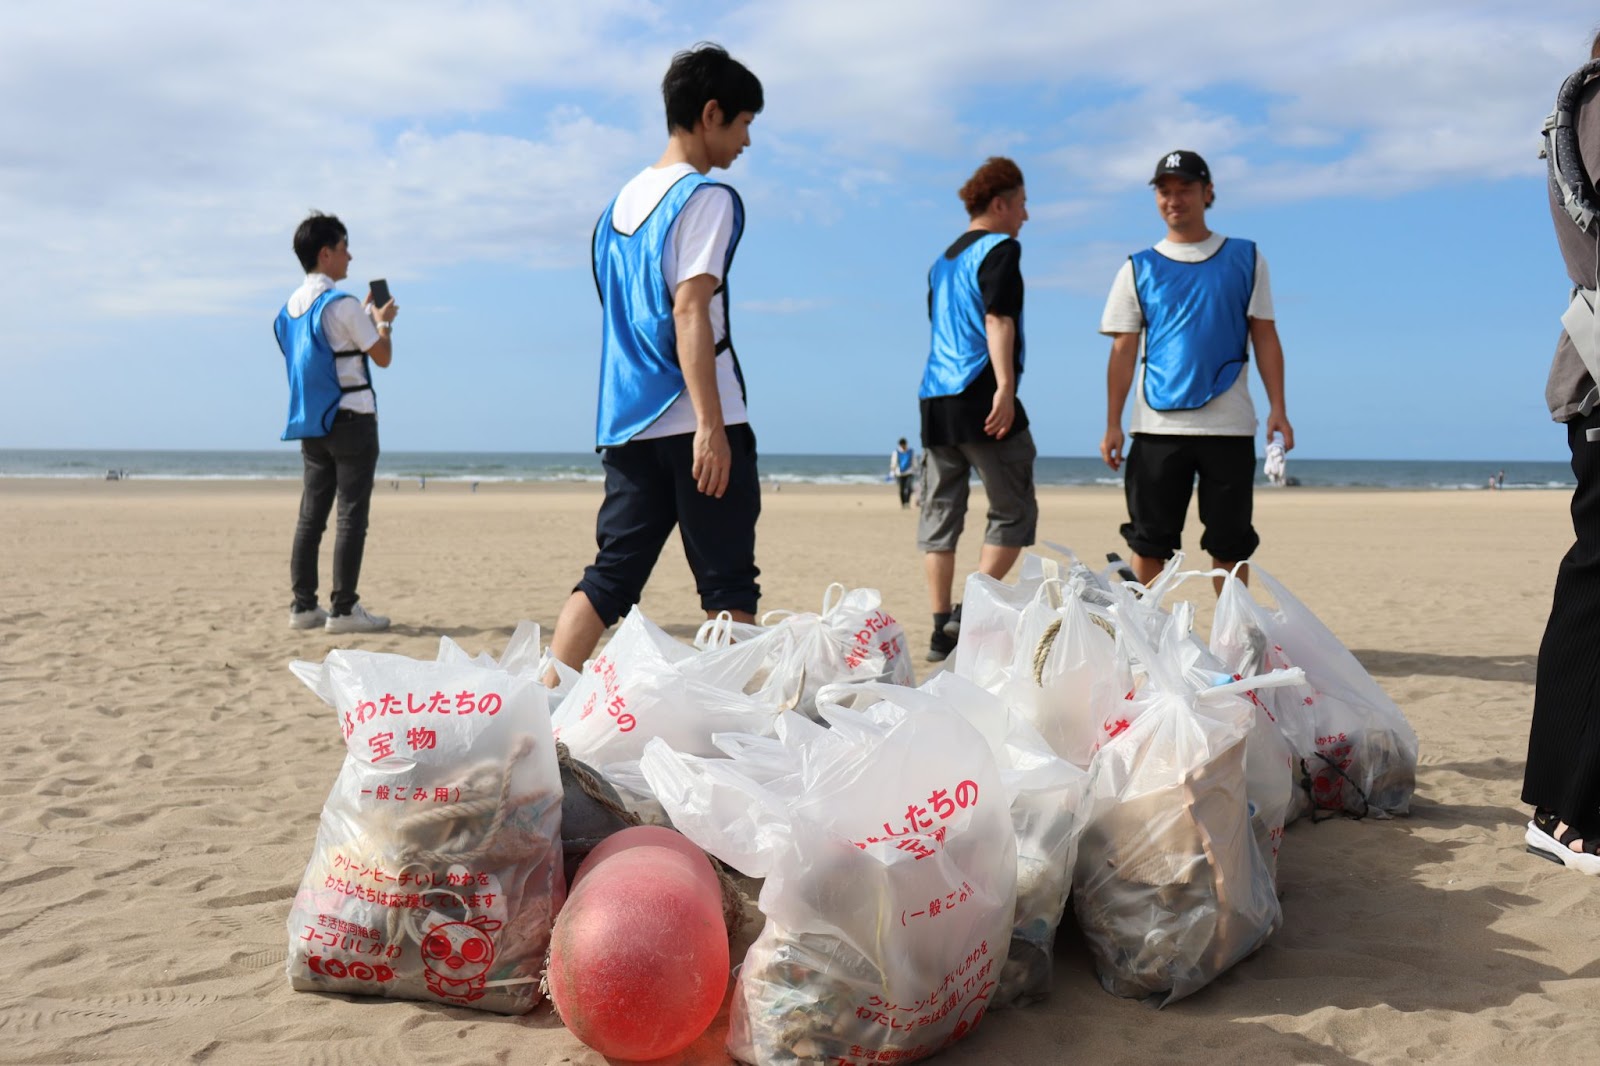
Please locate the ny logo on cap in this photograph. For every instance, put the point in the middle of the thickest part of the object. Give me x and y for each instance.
(1175, 159)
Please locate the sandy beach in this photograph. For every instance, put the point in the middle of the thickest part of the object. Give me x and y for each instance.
(163, 772)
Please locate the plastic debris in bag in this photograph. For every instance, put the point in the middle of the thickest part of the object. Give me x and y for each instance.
(1171, 888)
(890, 882)
(437, 865)
(1353, 748)
(1269, 759)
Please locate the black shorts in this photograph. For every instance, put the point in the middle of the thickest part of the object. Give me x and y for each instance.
(650, 488)
(1159, 479)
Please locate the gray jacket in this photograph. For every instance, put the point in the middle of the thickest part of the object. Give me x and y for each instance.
(1569, 383)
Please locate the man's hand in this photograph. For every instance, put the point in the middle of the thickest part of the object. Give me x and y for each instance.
(713, 460)
(1111, 447)
(386, 313)
(1002, 413)
(1278, 422)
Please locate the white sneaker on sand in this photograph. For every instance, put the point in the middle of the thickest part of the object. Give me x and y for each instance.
(312, 619)
(359, 620)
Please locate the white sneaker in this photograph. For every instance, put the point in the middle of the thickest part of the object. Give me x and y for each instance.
(359, 620)
(312, 619)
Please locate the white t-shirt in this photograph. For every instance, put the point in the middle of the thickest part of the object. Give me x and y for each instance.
(698, 244)
(347, 327)
(1230, 414)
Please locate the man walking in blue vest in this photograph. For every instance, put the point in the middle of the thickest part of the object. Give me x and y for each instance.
(971, 417)
(1199, 302)
(672, 428)
(329, 341)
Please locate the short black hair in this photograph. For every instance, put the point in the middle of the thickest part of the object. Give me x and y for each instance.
(902, 442)
(317, 232)
(703, 73)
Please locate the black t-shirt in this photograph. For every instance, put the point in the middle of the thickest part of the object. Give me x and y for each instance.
(959, 419)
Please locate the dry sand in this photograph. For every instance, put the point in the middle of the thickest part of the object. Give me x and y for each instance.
(163, 773)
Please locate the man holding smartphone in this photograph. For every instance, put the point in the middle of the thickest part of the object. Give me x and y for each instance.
(672, 430)
(328, 341)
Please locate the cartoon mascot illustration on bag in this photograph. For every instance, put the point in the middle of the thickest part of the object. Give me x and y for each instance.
(457, 956)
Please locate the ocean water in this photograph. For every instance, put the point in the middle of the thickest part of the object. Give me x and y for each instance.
(284, 464)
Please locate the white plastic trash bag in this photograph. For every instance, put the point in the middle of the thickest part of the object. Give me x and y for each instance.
(645, 684)
(1171, 888)
(437, 865)
(1269, 759)
(990, 610)
(1067, 676)
(1354, 750)
(890, 882)
(1048, 810)
(852, 639)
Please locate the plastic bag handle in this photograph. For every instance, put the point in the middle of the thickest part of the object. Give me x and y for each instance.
(1054, 587)
(715, 633)
(1164, 584)
(831, 599)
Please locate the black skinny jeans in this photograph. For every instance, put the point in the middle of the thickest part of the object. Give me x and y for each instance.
(1563, 771)
(341, 464)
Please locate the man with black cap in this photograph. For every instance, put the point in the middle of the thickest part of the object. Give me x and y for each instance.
(1183, 317)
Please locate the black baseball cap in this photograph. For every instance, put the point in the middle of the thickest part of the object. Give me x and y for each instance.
(1185, 164)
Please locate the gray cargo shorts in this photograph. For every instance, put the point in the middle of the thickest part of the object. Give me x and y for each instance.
(1006, 469)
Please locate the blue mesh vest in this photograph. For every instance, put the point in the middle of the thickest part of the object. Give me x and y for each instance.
(1196, 324)
(639, 372)
(313, 367)
(960, 347)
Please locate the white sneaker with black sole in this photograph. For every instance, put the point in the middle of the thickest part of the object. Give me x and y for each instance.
(359, 620)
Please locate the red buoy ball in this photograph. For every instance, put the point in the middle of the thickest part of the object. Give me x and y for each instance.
(639, 953)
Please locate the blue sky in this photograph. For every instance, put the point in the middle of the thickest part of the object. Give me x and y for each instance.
(155, 158)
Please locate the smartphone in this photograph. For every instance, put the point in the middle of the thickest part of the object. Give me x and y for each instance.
(380, 291)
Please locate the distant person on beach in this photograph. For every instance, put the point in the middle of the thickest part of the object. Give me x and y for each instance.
(674, 438)
(1561, 781)
(329, 340)
(1500, 480)
(1194, 304)
(971, 417)
(902, 470)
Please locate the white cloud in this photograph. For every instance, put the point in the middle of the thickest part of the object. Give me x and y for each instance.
(154, 157)
(1416, 94)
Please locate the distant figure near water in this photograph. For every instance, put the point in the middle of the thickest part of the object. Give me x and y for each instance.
(902, 470)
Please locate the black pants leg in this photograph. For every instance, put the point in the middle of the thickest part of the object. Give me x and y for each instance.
(338, 467)
(319, 483)
(1563, 771)
(719, 535)
(905, 489)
